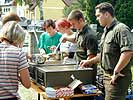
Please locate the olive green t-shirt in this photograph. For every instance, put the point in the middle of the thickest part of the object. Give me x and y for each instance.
(86, 43)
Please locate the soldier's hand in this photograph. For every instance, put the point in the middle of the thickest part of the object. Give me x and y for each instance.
(85, 63)
(114, 77)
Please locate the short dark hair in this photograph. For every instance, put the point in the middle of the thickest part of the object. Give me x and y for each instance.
(106, 7)
(10, 17)
(49, 23)
(76, 14)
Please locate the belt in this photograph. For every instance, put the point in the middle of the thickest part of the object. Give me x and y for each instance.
(108, 71)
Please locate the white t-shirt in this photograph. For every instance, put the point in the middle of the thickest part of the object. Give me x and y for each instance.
(68, 46)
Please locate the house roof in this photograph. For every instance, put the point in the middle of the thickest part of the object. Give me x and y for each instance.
(68, 2)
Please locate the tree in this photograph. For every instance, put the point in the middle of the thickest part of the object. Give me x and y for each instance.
(89, 11)
(74, 5)
(124, 10)
(86, 6)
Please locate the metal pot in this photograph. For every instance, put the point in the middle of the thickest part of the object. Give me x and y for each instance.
(38, 59)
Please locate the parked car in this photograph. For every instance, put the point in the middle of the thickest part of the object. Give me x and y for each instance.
(24, 22)
(36, 25)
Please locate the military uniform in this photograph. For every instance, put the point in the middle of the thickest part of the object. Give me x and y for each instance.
(86, 43)
(115, 40)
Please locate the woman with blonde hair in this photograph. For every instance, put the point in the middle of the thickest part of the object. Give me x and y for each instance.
(13, 62)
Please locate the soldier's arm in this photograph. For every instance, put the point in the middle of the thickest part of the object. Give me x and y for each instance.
(70, 39)
(91, 61)
(126, 47)
(91, 46)
(123, 61)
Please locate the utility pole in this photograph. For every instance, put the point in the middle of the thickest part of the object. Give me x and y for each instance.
(41, 9)
(14, 6)
(0, 11)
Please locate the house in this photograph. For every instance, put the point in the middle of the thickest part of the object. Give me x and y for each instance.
(6, 7)
(51, 8)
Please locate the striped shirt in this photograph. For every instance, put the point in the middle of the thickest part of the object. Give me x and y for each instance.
(12, 60)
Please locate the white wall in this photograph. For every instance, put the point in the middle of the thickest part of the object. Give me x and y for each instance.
(2, 2)
(20, 11)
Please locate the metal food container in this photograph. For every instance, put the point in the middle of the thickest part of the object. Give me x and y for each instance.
(38, 59)
(60, 75)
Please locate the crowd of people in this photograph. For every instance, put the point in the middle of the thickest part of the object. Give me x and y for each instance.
(116, 48)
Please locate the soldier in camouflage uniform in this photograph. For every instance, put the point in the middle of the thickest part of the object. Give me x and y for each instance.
(116, 51)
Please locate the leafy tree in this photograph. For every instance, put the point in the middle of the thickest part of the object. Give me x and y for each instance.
(124, 10)
(86, 6)
(77, 4)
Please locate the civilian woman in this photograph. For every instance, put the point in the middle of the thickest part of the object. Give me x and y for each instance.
(13, 62)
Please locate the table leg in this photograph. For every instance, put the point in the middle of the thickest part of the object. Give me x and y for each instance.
(38, 96)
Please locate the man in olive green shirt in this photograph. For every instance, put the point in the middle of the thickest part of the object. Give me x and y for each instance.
(116, 51)
(87, 45)
(86, 41)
